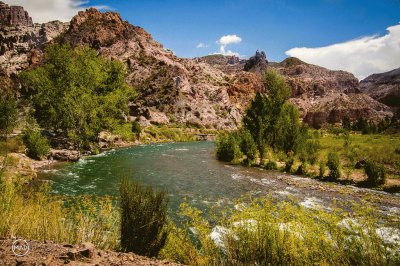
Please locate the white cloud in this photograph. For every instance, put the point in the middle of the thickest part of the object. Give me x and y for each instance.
(226, 40)
(202, 45)
(48, 10)
(229, 39)
(362, 57)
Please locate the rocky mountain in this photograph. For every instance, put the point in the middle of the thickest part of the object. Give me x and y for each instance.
(21, 41)
(14, 16)
(322, 95)
(384, 87)
(171, 89)
(326, 96)
(211, 91)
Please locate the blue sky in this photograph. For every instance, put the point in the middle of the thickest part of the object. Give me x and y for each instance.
(274, 26)
(278, 27)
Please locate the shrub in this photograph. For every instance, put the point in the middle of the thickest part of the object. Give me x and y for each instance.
(143, 219)
(397, 150)
(8, 114)
(271, 165)
(269, 232)
(248, 146)
(136, 128)
(333, 164)
(74, 220)
(288, 164)
(321, 169)
(375, 173)
(227, 148)
(37, 145)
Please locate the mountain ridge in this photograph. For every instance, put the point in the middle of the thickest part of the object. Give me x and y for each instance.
(212, 91)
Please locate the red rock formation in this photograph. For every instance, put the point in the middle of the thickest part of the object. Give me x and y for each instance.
(384, 87)
(14, 16)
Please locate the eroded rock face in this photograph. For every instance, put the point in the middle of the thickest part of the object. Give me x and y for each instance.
(326, 96)
(384, 87)
(14, 16)
(22, 46)
(257, 63)
(170, 89)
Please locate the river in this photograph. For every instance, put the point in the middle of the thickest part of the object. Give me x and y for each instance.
(190, 171)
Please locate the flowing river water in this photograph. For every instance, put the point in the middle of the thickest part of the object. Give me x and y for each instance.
(190, 171)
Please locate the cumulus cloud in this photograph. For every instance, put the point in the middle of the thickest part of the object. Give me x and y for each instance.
(202, 45)
(226, 40)
(362, 57)
(48, 10)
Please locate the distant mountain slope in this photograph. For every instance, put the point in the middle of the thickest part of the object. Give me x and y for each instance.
(384, 87)
(211, 91)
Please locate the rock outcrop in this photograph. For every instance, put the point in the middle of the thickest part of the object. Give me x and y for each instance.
(14, 16)
(326, 96)
(257, 63)
(22, 46)
(384, 87)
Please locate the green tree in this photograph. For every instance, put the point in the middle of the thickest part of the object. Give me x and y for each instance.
(288, 132)
(247, 146)
(255, 121)
(78, 93)
(278, 93)
(37, 146)
(346, 123)
(228, 148)
(8, 114)
(143, 219)
(264, 113)
(333, 164)
(375, 173)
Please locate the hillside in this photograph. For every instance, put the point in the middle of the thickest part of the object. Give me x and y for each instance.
(211, 91)
(384, 87)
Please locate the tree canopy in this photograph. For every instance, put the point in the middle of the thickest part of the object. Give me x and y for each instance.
(77, 92)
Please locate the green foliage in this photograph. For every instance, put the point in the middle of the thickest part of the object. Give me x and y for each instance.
(38, 146)
(228, 147)
(78, 92)
(271, 121)
(143, 219)
(308, 148)
(72, 220)
(271, 165)
(346, 123)
(289, 162)
(333, 164)
(255, 120)
(136, 128)
(269, 232)
(247, 146)
(321, 169)
(375, 172)
(8, 114)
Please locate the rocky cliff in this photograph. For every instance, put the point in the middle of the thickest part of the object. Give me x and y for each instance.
(384, 87)
(21, 41)
(14, 16)
(326, 96)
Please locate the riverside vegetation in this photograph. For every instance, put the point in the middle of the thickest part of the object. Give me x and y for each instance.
(263, 231)
(273, 137)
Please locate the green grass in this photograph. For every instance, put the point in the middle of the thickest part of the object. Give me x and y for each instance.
(378, 148)
(31, 214)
